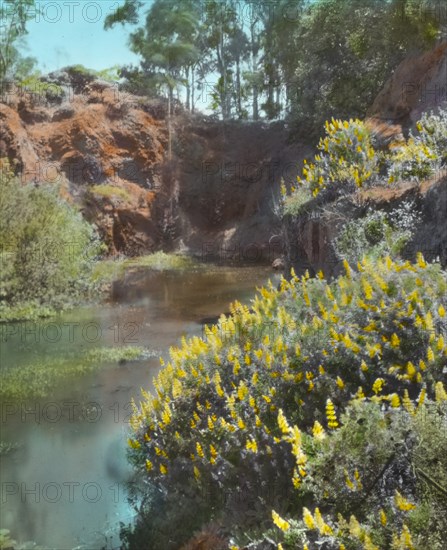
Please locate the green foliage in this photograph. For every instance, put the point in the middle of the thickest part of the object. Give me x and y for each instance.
(246, 410)
(305, 63)
(294, 204)
(377, 234)
(14, 17)
(110, 191)
(47, 249)
(40, 378)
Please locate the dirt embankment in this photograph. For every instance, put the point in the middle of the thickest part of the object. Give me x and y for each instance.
(214, 196)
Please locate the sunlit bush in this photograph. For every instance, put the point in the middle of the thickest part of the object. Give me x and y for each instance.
(238, 410)
(346, 159)
(47, 249)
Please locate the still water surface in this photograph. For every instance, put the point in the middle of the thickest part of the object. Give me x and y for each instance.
(64, 486)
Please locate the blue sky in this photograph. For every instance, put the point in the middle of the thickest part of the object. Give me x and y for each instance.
(69, 32)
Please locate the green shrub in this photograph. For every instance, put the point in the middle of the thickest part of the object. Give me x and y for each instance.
(47, 249)
(377, 234)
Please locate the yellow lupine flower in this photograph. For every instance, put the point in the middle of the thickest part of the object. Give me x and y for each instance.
(378, 385)
(402, 503)
(149, 465)
(308, 519)
(241, 423)
(330, 415)
(430, 355)
(395, 342)
(282, 423)
(383, 518)
(441, 311)
(163, 469)
(199, 450)
(251, 445)
(440, 393)
(340, 383)
(395, 400)
(279, 522)
(322, 527)
(318, 431)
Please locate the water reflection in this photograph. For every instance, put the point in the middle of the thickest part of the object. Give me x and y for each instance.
(65, 486)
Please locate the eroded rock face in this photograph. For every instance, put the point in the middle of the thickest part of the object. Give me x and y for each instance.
(213, 197)
(419, 84)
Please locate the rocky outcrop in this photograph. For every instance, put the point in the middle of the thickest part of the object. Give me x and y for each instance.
(213, 196)
(309, 237)
(418, 85)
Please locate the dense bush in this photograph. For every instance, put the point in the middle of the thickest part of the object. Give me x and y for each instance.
(238, 420)
(424, 153)
(346, 159)
(47, 249)
(377, 234)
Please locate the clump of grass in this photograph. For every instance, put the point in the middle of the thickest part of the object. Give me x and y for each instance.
(295, 204)
(111, 192)
(38, 379)
(112, 269)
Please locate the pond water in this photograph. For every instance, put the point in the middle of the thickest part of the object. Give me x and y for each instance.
(63, 483)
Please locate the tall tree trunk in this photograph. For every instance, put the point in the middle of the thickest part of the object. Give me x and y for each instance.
(188, 90)
(193, 101)
(238, 87)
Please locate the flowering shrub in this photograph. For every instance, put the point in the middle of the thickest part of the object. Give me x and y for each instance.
(377, 234)
(346, 160)
(422, 154)
(414, 160)
(249, 406)
(433, 133)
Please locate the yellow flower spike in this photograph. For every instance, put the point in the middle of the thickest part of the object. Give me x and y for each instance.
(440, 343)
(395, 400)
(340, 383)
(196, 473)
(378, 385)
(421, 397)
(280, 522)
(420, 260)
(318, 431)
(199, 450)
(383, 518)
(149, 465)
(440, 393)
(282, 423)
(330, 415)
(308, 519)
(364, 366)
(402, 503)
(407, 403)
(251, 445)
(163, 469)
(441, 311)
(241, 424)
(395, 342)
(430, 355)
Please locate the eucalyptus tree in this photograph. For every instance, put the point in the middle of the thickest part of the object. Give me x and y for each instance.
(14, 15)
